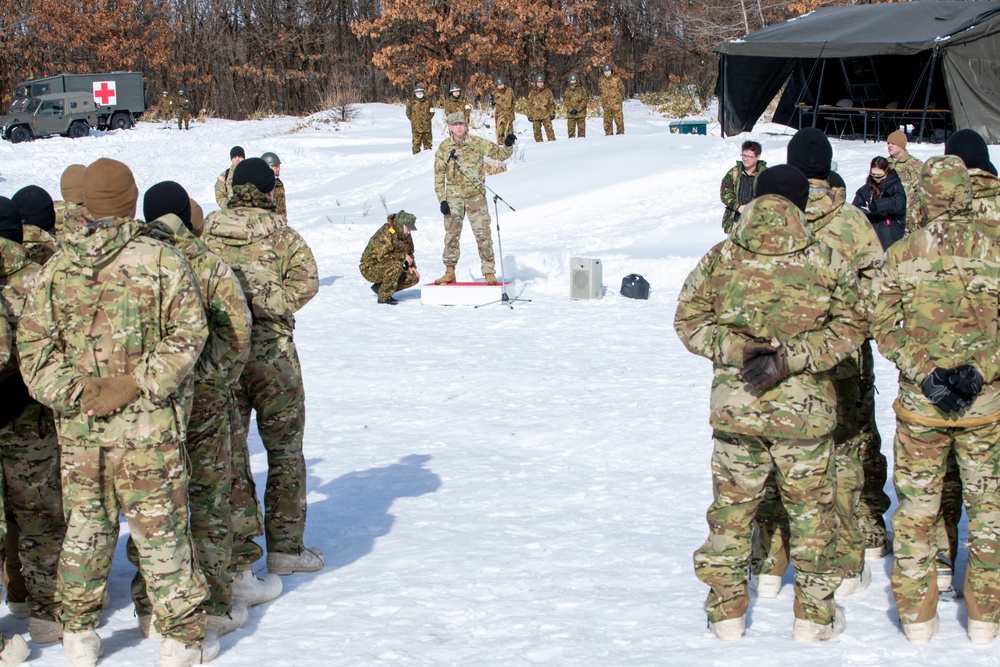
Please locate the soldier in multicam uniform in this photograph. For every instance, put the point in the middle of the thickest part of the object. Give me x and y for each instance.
(844, 228)
(502, 100)
(739, 185)
(460, 195)
(39, 218)
(908, 169)
(29, 454)
(456, 102)
(420, 112)
(167, 210)
(107, 339)
(224, 184)
(388, 259)
(575, 100)
(69, 211)
(541, 109)
(278, 194)
(279, 276)
(936, 318)
(774, 310)
(612, 96)
(183, 109)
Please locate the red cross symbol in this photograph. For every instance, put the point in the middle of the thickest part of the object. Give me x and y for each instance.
(105, 94)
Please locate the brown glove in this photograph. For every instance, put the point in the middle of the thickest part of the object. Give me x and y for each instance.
(113, 394)
(764, 363)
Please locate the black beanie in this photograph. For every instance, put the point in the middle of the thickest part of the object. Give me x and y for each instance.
(10, 221)
(236, 151)
(971, 147)
(167, 197)
(254, 170)
(836, 181)
(35, 205)
(810, 151)
(784, 180)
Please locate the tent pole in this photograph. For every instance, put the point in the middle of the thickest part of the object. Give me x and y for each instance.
(927, 96)
(819, 89)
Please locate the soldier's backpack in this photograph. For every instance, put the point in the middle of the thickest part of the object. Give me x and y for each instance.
(635, 286)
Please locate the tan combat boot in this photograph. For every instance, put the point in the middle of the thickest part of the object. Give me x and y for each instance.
(448, 277)
(490, 278)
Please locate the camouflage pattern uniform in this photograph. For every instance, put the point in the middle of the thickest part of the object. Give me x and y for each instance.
(741, 290)
(453, 104)
(908, 169)
(208, 434)
(278, 194)
(115, 303)
(420, 112)
(938, 307)
(224, 187)
(612, 96)
(183, 110)
(384, 260)
(541, 111)
(6, 342)
(729, 192)
(844, 228)
(503, 110)
(39, 244)
(30, 461)
(69, 216)
(465, 196)
(575, 99)
(279, 276)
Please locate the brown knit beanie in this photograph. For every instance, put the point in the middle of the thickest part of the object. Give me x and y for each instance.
(109, 190)
(898, 138)
(71, 184)
(197, 218)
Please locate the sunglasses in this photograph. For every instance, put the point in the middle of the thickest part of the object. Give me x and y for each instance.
(877, 176)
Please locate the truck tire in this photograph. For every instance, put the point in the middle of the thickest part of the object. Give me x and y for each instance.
(121, 121)
(19, 134)
(79, 129)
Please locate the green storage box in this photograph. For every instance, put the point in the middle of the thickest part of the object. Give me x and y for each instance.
(689, 127)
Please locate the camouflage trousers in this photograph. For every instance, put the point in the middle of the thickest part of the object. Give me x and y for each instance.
(209, 488)
(33, 500)
(183, 120)
(803, 470)
(771, 526)
(150, 486)
(920, 458)
(246, 520)
(950, 513)
(271, 385)
(537, 125)
(613, 117)
(874, 501)
(479, 221)
(390, 277)
(422, 140)
(505, 126)
(576, 127)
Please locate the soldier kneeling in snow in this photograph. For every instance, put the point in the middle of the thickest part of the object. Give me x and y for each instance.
(388, 260)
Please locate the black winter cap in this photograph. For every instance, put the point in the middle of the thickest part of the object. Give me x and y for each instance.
(254, 170)
(236, 151)
(10, 221)
(167, 197)
(784, 180)
(810, 151)
(35, 205)
(836, 181)
(971, 147)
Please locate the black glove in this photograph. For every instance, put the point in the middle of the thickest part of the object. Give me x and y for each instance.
(573, 111)
(552, 117)
(493, 102)
(763, 364)
(445, 209)
(509, 140)
(965, 381)
(935, 387)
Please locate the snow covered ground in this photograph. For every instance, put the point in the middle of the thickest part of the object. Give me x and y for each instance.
(499, 486)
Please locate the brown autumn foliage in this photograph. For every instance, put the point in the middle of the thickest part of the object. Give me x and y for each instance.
(237, 58)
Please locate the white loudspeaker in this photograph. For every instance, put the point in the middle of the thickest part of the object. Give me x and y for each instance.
(586, 278)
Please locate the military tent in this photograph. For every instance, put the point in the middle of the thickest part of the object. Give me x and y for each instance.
(932, 67)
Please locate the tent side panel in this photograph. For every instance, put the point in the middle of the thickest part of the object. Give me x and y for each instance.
(972, 76)
(750, 85)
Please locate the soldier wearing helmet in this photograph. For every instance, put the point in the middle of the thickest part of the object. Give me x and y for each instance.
(457, 102)
(420, 113)
(279, 188)
(502, 100)
(612, 95)
(183, 111)
(541, 109)
(575, 100)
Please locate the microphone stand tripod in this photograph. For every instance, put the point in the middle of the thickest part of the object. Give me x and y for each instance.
(504, 299)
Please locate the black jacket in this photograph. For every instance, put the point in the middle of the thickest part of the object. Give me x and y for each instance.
(887, 213)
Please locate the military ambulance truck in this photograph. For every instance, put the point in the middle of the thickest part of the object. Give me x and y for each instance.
(117, 100)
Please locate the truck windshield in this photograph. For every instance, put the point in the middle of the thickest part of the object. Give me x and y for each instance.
(32, 105)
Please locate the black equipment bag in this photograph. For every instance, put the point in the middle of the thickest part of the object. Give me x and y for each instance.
(635, 286)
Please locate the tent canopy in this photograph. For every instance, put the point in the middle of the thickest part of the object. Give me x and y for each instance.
(943, 55)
